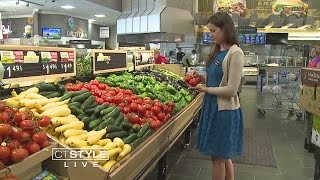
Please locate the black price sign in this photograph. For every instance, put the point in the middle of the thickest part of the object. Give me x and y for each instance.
(67, 67)
(21, 70)
(50, 68)
(105, 61)
(13, 70)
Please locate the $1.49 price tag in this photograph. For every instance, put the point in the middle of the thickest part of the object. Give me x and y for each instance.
(13, 70)
(67, 67)
(50, 68)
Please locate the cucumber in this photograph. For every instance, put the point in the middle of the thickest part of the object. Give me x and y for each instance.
(113, 128)
(45, 94)
(109, 120)
(76, 111)
(77, 93)
(66, 96)
(87, 102)
(114, 113)
(94, 123)
(130, 138)
(107, 111)
(76, 104)
(143, 130)
(90, 111)
(119, 120)
(136, 128)
(98, 109)
(80, 116)
(148, 134)
(93, 105)
(136, 143)
(126, 126)
(55, 94)
(81, 98)
(61, 88)
(87, 120)
(46, 87)
(106, 122)
(121, 134)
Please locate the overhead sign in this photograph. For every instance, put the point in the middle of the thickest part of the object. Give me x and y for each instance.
(75, 30)
(231, 6)
(104, 32)
(247, 30)
(288, 7)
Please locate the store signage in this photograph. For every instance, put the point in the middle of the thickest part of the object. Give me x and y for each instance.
(231, 6)
(104, 32)
(247, 30)
(106, 60)
(75, 29)
(288, 7)
(310, 77)
(6, 29)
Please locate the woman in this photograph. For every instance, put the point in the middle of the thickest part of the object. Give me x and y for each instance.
(220, 132)
(194, 56)
(315, 55)
(158, 59)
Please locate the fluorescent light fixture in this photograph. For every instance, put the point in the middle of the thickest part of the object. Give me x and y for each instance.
(91, 20)
(287, 26)
(100, 15)
(67, 7)
(305, 26)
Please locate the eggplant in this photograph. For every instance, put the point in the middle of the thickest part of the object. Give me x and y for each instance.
(183, 84)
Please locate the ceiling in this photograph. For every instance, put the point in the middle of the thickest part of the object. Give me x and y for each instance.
(83, 9)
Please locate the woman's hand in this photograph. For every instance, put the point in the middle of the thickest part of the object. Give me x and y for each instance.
(199, 88)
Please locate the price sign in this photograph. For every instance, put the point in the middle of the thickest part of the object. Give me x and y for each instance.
(13, 70)
(110, 60)
(67, 67)
(50, 68)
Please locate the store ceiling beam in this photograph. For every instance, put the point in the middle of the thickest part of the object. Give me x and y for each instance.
(111, 4)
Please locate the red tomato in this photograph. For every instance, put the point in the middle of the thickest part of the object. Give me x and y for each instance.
(122, 105)
(39, 137)
(134, 119)
(125, 110)
(193, 82)
(154, 125)
(117, 90)
(97, 92)
(20, 116)
(44, 144)
(147, 99)
(69, 87)
(134, 97)
(112, 93)
(5, 117)
(167, 109)
(148, 120)
(133, 107)
(102, 86)
(108, 99)
(158, 104)
(2, 106)
(5, 130)
(148, 107)
(78, 87)
(27, 125)
(141, 110)
(155, 109)
(93, 87)
(10, 177)
(166, 118)
(138, 101)
(148, 114)
(128, 100)
(25, 136)
(44, 121)
(87, 86)
(17, 155)
(15, 133)
(99, 100)
(171, 104)
(116, 100)
(159, 123)
(94, 82)
(161, 116)
(13, 144)
(128, 92)
(4, 152)
(33, 147)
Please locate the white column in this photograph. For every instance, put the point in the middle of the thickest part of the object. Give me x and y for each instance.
(1, 35)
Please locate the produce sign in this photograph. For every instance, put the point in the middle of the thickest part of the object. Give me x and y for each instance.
(232, 6)
(143, 57)
(36, 61)
(104, 61)
(289, 7)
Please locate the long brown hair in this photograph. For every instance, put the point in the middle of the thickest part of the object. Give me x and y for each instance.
(223, 21)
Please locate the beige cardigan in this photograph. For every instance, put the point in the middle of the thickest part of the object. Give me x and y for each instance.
(226, 93)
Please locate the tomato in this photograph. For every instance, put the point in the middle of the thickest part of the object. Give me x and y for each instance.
(4, 152)
(122, 105)
(10, 177)
(102, 86)
(128, 100)
(138, 101)
(161, 116)
(141, 110)
(134, 97)
(154, 125)
(93, 87)
(5, 117)
(97, 92)
(17, 155)
(2, 106)
(193, 82)
(44, 144)
(125, 110)
(94, 82)
(112, 93)
(87, 86)
(147, 99)
(15, 133)
(133, 107)
(5, 130)
(116, 100)
(108, 99)
(39, 137)
(69, 87)
(155, 109)
(33, 147)
(128, 92)
(167, 109)
(20, 116)
(25, 136)
(99, 100)
(159, 123)
(171, 104)
(44, 121)
(166, 118)
(77, 87)
(117, 90)
(157, 104)
(27, 125)
(148, 120)
(13, 144)
(148, 114)
(134, 119)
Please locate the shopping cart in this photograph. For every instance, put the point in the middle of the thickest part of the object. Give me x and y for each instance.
(284, 87)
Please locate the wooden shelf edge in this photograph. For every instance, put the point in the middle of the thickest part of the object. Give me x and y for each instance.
(110, 70)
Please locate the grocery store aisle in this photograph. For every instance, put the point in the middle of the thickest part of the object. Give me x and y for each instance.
(286, 134)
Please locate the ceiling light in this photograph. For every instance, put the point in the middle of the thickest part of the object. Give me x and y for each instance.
(67, 7)
(100, 15)
(91, 20)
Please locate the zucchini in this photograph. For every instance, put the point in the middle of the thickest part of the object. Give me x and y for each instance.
(93, 105)
(87, 120)
(55, 94)
(80, 116)
(76, 111)
(126, 126)
(143, 130)
(113, 128)
(98, 109)
(81, 98)
(61, 88)
(90, 111)
(66, 96)
(110, 120)
(121, 134)
(46, 87)
(77, 93)
(76, 104)
(119, 120)
(87, 102)
(45, 94)
(148, 134)
(106, 122)
(136, 128)
(114, 113)
(130, 138)
(94, 123)
(136, 143)
(107, 111)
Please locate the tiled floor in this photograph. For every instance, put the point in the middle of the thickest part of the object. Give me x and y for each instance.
(286, 134)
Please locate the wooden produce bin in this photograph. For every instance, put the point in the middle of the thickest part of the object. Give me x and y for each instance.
(175, 68)
(31, 166)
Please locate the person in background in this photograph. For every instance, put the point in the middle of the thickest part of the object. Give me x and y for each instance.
(180, 55)
(158, 59)
(315, 55)
(194, 56)
(220, 133)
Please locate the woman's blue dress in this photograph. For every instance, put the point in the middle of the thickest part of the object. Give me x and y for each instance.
(220, 133)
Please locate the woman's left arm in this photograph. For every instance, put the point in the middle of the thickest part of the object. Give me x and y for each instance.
(234, 78)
